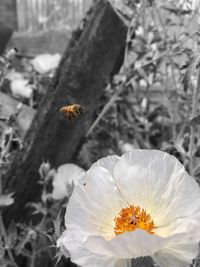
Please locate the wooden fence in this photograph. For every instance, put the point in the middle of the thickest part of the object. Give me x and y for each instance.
(35, 15)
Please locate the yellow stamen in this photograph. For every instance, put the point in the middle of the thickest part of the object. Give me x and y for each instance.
(132, 218)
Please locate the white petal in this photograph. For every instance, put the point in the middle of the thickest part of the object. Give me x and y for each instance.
(94, 203)
(85, 258)
(107, 162)
(128, 245)
(74, 242)
(182, 256)
(157, 182)
(165, 259)
(139, 243)
(185, 247)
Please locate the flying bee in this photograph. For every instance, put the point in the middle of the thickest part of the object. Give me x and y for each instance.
(73, 111)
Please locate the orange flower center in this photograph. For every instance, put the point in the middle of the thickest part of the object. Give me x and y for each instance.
(132, 218)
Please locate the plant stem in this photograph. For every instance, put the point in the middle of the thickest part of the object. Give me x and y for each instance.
(194, 111)
(103, 112)
(4, 74)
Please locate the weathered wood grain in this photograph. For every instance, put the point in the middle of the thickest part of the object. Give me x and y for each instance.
(5, 34)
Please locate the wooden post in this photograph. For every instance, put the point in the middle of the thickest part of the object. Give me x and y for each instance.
(5, 34)
(84, 71)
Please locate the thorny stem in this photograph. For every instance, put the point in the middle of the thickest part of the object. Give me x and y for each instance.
(194, 111)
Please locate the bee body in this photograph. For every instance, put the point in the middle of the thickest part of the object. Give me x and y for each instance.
(73, 111)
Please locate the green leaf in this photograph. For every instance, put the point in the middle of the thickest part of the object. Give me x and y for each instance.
(12, 234)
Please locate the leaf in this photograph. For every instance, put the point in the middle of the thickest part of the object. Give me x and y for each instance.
(12, 234)
(23, 239)
(192, 64)
(194, 121)
(6, 200)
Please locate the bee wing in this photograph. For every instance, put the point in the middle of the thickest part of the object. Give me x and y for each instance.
(83, 109)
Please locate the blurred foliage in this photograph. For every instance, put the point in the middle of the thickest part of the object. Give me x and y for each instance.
(154, 90)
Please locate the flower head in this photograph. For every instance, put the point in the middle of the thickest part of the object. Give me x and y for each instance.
(141, 204)
(66, 177)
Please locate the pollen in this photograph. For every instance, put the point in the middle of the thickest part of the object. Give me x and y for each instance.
(133, 218)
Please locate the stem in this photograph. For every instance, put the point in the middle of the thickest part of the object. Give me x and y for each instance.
(0, 180)
(33, 257)
(194, 111)
(6, 149)
(103, 112)
(4, 74)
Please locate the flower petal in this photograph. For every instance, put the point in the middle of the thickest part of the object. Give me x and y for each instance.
(157, 182)
(95, 203)
(84, 257)
(185, 247)
(107, 162)
(128, 245)
(174, 258)
(139, 244)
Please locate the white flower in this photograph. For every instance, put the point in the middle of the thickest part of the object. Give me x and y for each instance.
(143, 203)
(20, 86)
(65, 178)
(44, 63)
